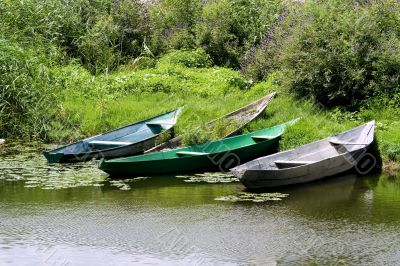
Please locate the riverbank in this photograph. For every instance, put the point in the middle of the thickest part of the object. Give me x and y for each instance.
(89, 104)
(181, 78)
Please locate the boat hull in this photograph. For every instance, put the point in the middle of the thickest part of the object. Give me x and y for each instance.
(220, 155)
(311, 162)
(297, 175)
(128, 150)
(213, 161)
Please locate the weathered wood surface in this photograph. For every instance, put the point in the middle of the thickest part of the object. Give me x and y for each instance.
(242, 116)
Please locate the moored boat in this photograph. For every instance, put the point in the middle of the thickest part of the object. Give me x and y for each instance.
(310, 162)
(129, 140)
(241, 116)
(220, 154)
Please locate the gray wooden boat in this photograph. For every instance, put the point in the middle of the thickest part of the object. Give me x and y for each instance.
(241, 116)
(314, 161)
(126, 141)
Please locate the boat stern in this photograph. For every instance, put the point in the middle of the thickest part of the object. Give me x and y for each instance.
(238, 172)
(53, 157)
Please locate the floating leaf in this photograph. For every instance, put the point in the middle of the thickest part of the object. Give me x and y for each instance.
(253, 197)
(210, 178)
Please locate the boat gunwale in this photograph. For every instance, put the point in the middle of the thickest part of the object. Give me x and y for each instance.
(260, 107)
(55, 151)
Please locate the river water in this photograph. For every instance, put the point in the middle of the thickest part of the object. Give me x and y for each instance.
(74, 215)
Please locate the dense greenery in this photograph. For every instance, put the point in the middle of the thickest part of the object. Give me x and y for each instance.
(344, 53)
(341, 53)
(74, 68)
(102, 34)
(26, 99)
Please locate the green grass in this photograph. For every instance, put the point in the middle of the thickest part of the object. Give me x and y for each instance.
(92, 104)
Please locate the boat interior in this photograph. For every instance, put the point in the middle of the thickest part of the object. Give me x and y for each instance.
(346, 142)
(124, 136)
(213, 147)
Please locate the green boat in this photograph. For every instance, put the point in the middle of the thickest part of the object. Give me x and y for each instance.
(219, 155)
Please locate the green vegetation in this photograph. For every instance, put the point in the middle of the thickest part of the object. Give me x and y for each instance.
(70, 69)
(253, 197)
(94, 104)
(219, 129)
(26, 96)
(340, 53)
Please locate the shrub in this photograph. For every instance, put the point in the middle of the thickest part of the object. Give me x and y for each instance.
(216, 30)
(195, 58)
(341, 53)
(99, 33)
(172, 23)
(99, 47)
(115, 36)
(228, 28)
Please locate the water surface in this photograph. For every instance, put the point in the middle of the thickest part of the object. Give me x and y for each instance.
(74, 215)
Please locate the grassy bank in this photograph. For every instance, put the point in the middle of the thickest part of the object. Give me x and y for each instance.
(93, 104)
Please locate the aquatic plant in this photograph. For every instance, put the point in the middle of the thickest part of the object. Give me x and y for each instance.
(21, 162)
(217, 177)
(253, 197)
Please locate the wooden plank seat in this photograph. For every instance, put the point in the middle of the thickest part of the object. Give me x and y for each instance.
(101, 144)
(288, 164)
(190, 153)
(262, 137)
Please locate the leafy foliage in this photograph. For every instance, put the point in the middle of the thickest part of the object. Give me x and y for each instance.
(172, 23)
(227, 28)
(343, 54)
(195, 58)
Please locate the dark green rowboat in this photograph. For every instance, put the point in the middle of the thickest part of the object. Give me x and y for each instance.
(126, 141)
(220, 154)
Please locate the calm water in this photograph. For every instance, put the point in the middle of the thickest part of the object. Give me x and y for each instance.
(74, 215)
